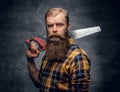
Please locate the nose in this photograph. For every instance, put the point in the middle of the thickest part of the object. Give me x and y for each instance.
(54, 29)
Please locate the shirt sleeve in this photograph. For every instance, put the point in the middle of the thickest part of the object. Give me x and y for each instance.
(80, 72)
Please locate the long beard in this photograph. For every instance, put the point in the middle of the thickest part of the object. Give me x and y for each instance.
(57, 47)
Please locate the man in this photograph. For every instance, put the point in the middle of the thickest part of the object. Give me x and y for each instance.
(65, 67)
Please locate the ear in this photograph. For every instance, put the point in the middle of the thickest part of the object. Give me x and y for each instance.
(69, 26)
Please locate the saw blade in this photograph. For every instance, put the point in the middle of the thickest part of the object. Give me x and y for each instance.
(79, 33)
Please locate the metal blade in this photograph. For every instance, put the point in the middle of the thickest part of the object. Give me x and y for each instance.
(79, 33)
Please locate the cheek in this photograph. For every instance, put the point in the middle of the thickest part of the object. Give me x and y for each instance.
(62, 31)
(49, 32)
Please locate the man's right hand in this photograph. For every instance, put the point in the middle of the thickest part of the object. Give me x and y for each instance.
(33, 50)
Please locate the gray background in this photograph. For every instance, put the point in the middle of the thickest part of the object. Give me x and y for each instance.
(22, 19)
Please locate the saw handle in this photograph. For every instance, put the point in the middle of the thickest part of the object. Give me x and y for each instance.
(41, 43)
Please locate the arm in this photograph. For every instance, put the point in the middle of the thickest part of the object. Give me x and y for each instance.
(32, 53)
(81, 73)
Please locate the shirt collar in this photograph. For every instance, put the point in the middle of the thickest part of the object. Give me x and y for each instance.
(71, 41)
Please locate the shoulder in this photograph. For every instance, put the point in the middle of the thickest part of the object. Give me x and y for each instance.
(78, 54)
(73, 47)
(75, 51)
(76, 48)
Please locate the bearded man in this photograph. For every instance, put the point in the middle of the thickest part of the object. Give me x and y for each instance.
(65, 66)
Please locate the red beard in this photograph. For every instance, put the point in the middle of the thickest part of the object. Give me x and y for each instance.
(57, 47)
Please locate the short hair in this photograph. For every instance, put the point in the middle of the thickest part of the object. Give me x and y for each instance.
(55, 11)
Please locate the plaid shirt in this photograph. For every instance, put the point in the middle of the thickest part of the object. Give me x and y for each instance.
(70, 74)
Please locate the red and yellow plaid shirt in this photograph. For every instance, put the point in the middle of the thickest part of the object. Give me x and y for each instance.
(70, 74)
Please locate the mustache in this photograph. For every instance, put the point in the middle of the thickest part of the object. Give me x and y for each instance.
(55, 38)
(56, 35)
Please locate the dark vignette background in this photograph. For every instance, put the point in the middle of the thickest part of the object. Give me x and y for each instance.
(22, 19)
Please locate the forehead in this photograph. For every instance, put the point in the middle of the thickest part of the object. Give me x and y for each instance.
(59, 18)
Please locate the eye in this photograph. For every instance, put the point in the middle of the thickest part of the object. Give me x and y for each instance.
(59, 24)
(49, 25)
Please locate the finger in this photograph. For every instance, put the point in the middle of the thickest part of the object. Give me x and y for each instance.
(33, 46)
(30, 54)
(35, 51)
(38, 51)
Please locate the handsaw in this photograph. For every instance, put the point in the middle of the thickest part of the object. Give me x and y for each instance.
(76, 34)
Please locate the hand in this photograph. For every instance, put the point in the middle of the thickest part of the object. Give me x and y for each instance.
(33, 50)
